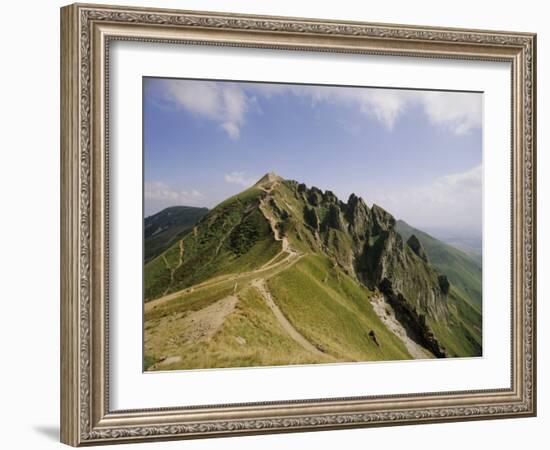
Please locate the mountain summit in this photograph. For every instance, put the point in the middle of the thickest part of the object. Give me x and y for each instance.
(283, 273)
(269, 178)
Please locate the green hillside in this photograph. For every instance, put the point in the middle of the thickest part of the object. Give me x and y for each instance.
(164, 228)
(285, 274)
(463, 270)
(233, 237)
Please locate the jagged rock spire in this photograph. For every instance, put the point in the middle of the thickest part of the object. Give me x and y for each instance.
(417, 247)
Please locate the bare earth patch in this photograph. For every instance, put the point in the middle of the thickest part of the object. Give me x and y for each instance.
(178, 329)
(204, 323)
(385, 312)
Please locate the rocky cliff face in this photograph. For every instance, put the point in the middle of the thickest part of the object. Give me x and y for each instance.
(364, 242)
(417, 247)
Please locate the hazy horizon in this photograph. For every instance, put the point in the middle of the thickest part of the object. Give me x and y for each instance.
(417, 154)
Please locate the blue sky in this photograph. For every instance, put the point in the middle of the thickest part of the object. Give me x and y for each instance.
(416, 153)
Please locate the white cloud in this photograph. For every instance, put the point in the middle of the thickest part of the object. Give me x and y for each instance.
(384, 105)
(452, 202)
(464, 183)
(161, 192)
(239, 178)
(231, 129)
(228, 103)
(221, 102)
(460, 112)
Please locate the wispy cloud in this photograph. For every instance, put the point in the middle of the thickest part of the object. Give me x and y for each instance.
(161, 193)
(228, 103)
(224, 103)
(239, 178)
(465, 182)
(459, 112)
(452, 201)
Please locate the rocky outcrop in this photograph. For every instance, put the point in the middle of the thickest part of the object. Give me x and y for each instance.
(366, 244)
(444, 284)
(372, 335)
(314, 196)
(310, 217)
(417, 247)
(413, 321)
(280, 212)
(329, 197)
(382, 220)
(358, 216)
(334, 219)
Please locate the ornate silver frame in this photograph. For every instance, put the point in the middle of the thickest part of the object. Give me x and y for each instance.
(86, 31)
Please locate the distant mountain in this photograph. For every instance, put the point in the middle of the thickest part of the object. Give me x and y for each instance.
(162, 229)
(464, 270)
(466, 241)
(286, 274)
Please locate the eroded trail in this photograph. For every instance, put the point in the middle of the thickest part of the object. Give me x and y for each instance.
(385, 312)
(260, 285)
(176, 267)
(276, 264)
(189, 328)
(277, 267)
(286, 247)
(202, 324)
(180, 257)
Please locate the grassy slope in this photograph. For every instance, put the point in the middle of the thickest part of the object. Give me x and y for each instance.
(168, 226)
(250, 336)
(235, 238)
(461, 333)
(312, 294)
(315, 297)
(463, 271)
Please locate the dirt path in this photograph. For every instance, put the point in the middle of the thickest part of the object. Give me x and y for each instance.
(187, 329)
(176, 267)
(180, 258)
(285, 244)
(385, 312)
(272, 260)
(285, 263)
(204, 323)
(273, 224)
(292, 257)
(283, 321)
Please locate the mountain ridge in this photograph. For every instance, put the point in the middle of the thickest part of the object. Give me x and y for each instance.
(162, 229)
(281, 236)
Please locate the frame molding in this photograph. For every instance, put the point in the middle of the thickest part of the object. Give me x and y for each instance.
(86, 31)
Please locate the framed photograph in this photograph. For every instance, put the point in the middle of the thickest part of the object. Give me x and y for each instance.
(276, 224)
